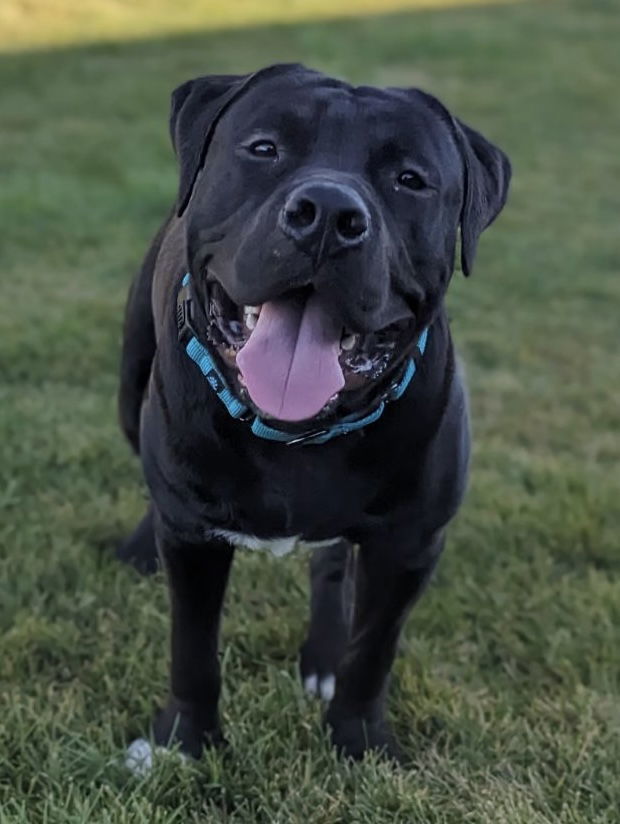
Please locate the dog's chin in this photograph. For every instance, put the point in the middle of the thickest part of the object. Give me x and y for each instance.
(364, 360)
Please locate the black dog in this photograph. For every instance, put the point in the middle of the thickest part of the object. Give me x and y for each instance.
(288, 371)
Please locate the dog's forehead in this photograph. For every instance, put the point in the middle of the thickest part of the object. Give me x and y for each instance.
(318, 102)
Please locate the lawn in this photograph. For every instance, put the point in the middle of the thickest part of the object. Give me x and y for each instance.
(506, 692)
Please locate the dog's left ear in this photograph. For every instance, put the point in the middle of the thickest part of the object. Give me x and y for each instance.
(487, 175)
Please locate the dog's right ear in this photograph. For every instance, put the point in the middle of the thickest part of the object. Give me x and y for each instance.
(195, 108)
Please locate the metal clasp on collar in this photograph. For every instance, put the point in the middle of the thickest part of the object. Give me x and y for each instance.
(185, 328)
(307, 436)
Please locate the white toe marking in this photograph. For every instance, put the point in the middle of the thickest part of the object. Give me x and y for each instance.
(311, 684)
(140, 755)
(139, 759)
(327, 687)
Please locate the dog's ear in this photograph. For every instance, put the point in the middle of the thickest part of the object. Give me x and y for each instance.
(487, 175)
(195, 110)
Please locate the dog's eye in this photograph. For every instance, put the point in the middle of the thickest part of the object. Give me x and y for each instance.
(263, 148)
(411, 180)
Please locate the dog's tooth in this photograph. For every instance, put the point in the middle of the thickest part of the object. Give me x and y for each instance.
(348, 342)
(250, 316)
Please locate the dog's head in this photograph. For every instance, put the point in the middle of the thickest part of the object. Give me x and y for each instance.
(321, 223)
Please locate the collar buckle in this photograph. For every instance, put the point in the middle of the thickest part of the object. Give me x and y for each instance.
(185, 328)
(307, 436)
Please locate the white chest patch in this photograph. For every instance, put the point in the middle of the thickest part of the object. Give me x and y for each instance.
(277, 546)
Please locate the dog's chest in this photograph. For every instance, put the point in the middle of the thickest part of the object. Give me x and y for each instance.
(277, 546)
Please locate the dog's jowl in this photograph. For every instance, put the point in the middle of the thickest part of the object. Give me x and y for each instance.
(288, 373)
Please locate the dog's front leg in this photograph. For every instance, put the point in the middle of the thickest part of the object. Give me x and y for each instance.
(392, 571)
(197, 576)
(331, 594)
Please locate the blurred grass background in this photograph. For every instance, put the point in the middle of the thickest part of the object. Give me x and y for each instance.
(32, 22)
(506, 691)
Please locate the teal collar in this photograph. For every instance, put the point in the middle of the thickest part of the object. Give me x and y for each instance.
(205, 361)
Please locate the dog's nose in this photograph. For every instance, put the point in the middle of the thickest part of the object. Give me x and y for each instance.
(325, 216)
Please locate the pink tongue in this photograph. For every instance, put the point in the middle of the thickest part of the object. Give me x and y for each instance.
(290, 363)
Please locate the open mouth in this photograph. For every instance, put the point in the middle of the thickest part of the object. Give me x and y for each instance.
(290, 358)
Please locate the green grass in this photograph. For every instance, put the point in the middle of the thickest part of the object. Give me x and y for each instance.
(506, 692)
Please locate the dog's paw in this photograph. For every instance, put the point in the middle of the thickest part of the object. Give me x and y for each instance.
(176, 724)
(140, 756)
(318, 663)
(322, 687)
(354, 736)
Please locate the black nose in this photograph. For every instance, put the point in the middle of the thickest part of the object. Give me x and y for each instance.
(325, 217)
